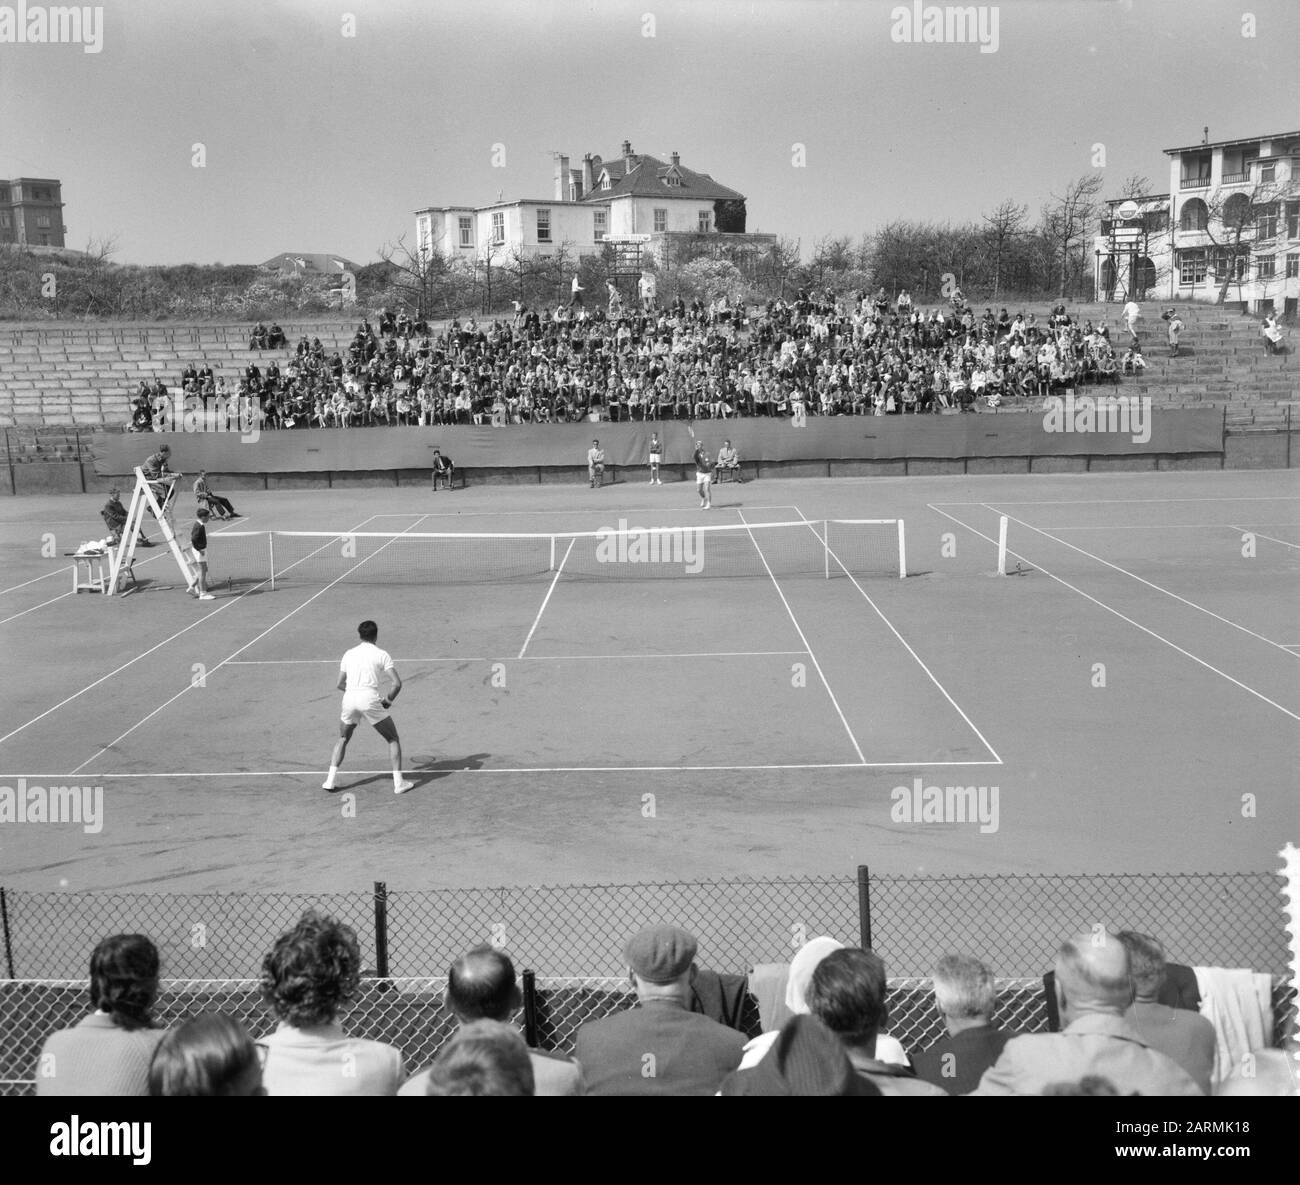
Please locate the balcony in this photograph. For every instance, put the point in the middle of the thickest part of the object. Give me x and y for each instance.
(1194, 183)
(1235, 178)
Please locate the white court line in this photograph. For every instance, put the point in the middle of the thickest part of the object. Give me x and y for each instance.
(933, 679)
(226, 603)
(776, 584)
(71, 592)
(1161, 526)
(245, 646)
(531, 769)
(1102, 605)
(1270, 538)
(546, 599)
(1140, 579)
(1119, 501)
(282, 662)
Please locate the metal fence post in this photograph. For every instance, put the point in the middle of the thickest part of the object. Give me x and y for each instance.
(4, 923)
(530, 1008)
(864, 907)
(381, 930)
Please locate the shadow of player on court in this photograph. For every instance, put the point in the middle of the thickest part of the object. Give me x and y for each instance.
(421, 772)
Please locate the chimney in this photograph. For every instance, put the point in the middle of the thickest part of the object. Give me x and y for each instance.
(1205, 134)
(627, 156)
(677, 160)
(561, 175)
(575, 185)
(588, 174)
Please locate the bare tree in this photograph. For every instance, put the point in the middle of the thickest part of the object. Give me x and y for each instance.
(778, 266)
(1003, 224)
(1066, 219)
(1234, 222)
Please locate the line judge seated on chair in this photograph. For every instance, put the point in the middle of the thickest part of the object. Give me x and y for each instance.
(443, 469)
(728, 466)
(204, 496)
(114, 516)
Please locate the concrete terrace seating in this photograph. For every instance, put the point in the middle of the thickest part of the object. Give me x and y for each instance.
(83, 375)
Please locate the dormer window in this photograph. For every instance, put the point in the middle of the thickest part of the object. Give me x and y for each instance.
(673, 179)
(605, 182)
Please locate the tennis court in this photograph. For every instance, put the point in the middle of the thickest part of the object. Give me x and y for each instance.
(567, 719)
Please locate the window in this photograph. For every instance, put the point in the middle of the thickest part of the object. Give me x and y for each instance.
(1230, 265)
(1292, 265)
(1293, 220)
(1155, 221)
(1196, 171)
(43, 220)
(45, 240)
(673, 179)
(1266, 221)
(1267, 172)
(1266, 267)
(605, 182)
(466, 230)
(706, 222)
(600, 228)
(499, 225)
(1191, 267)
(1237, 212)
(40, 195)
(1195, 216)
(4, 217)
(543, 226)
(661, 221)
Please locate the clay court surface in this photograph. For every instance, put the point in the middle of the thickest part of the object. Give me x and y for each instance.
(769, 714)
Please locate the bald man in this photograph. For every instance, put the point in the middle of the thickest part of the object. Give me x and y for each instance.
(1094, 990)
(481, 985)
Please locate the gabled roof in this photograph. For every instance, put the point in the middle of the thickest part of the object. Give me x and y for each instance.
(330, 265)
(646, 179)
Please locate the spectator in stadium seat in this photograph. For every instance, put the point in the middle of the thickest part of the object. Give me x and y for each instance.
(806, 1059)
(1094, 990)
(658, 1047)
(965, 991)
(1186, 1037)
(109, 1051)
(729, 460)
(311, 972)
(484, 1059)
(275, 339)
(482, 986)
(210, 1055)
(847, 994)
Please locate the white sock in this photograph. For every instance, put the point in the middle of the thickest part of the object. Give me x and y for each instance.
(397, 777)
(334, 773)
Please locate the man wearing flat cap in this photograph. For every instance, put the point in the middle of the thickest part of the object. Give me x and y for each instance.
(659, 1047)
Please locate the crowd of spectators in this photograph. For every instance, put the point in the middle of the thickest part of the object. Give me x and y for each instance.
(815, 355)
(686, 1035)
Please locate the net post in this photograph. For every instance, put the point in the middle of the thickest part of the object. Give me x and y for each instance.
(826, 546)
(902, 552)
(270, 539)
(551, 568)
(1002, 545)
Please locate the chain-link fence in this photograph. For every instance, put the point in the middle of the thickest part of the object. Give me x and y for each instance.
(1013, 923)
(410, 1014)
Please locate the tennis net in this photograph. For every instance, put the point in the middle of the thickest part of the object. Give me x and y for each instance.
(824, 548)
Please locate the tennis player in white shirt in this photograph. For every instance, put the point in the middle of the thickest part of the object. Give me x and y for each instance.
(360, 673)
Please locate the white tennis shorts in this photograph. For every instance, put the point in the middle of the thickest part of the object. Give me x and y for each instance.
(703, 479)
(199, 557)
(363, 704)
(654, 458)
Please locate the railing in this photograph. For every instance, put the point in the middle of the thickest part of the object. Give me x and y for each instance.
(1194, 183)
(1234, 178)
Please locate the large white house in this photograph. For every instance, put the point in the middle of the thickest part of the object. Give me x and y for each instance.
(1232, 213)
(633, 195)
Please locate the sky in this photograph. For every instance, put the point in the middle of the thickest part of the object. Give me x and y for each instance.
(319, 141)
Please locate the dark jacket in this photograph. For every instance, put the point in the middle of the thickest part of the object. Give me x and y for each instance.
(957, 1063)
(657, 1048)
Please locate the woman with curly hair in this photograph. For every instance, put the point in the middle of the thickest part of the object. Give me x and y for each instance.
(108, 1052)
(311, 973)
